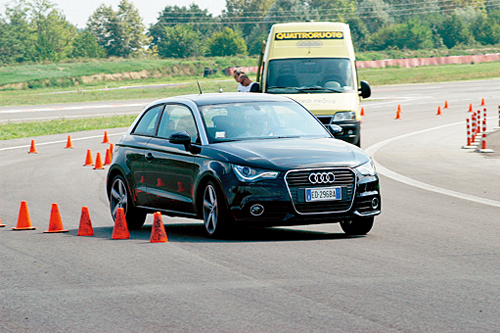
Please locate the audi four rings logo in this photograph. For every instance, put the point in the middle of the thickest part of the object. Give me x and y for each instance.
(322, 178)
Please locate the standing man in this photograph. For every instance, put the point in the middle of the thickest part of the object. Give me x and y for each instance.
(247, 84)
(237, 73)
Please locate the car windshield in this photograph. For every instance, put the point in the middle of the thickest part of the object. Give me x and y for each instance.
(319, 75)
(259, 120)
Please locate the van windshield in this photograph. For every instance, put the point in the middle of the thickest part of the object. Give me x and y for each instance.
(311, 75)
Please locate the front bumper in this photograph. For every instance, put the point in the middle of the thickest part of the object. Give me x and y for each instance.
(278, 209)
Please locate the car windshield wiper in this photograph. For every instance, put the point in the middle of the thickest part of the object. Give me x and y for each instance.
(283, 137)
(320, 88)
(276, 87)
(306, 89)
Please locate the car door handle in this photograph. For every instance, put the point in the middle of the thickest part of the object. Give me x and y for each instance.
(149, 157)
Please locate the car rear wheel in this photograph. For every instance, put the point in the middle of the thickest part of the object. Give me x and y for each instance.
(357, 226)
(119, 197)
(215, 216)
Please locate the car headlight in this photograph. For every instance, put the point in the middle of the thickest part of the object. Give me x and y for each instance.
(367, 169)
(339, 116)
(247, 174)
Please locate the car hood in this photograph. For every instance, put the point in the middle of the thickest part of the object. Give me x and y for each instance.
(286, 154)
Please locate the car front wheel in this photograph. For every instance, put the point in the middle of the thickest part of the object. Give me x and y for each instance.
(215, 216)
(357, 226)
(119, 197)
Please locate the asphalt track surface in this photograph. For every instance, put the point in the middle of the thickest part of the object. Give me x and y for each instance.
(430, 264)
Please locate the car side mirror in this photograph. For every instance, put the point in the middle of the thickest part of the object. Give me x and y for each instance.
(365, 91)
(336, 130)
(181, 138)
(255, 87)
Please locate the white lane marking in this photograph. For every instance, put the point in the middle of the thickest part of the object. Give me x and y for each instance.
(70, 108)
(59, 141)
(412, 182)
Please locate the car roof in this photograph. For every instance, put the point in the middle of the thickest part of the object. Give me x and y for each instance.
(223, 98)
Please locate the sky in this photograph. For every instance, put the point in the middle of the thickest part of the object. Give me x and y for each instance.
(78, 11)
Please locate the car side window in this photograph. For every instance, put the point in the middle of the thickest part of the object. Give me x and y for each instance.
(147, 124)
(177, 118)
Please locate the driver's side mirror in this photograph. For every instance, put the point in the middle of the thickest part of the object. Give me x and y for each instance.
(255, 87)
(365, 91)
(336, 130)
(181, 138)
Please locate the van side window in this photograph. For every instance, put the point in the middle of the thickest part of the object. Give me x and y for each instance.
(147, 124)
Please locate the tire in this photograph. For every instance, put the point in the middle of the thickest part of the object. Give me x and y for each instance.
(119, 197)
(357, 226)
(358, 144)
(214, 210)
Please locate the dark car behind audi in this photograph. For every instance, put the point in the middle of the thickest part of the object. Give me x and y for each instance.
(241, 159)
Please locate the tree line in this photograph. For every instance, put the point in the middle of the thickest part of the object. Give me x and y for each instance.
(37, 31)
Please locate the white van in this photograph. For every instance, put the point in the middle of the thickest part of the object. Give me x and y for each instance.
(314, 63)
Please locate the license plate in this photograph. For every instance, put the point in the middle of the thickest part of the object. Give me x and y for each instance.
(323, 194)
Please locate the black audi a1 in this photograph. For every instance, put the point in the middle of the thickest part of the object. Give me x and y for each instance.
(241, 158)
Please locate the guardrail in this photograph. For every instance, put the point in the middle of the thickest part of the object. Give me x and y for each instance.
(412, 62)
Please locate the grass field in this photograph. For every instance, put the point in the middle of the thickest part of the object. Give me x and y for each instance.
(78, 73)
(444, 73)
(98, 92)
(31, 129)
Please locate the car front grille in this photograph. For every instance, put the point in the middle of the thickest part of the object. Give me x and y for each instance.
(298, 181)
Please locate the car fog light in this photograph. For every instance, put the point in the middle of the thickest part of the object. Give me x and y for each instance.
(257, 210)
(375, 203)
(350, 132)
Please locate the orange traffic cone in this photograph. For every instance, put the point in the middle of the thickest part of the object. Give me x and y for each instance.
(107, 160)
(85, 227)
(55, 224)
(98, 162)
(88, 159)
(482, 102)
(24, 220)
(438, 111)
(105, 139)
(160, 183)
(32, 148)
(158, 234)
(120, 230)
(111, 148)
(69, 144)
(362, 111)
(398, 112)
(142, 180)
(445, 104)
(2, 225)
(470, 108)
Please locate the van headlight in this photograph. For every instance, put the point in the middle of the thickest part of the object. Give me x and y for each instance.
(367, 169)
(339, 116)
(247, 174)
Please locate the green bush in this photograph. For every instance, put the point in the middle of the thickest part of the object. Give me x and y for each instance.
(411, 35)
(226, 43)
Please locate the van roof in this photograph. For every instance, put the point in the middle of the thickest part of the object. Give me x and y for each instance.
(317, 26)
